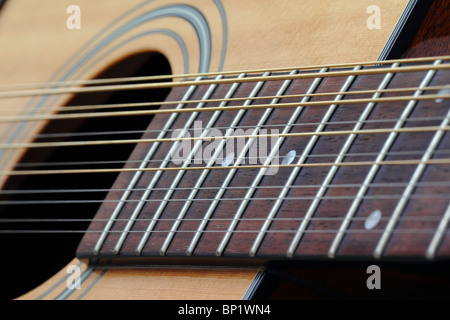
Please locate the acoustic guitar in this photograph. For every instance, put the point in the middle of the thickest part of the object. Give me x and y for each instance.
(220, 149)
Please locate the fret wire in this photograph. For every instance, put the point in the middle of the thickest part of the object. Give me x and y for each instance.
(248, 145)
(138, 174)
(296, 171)
(200, 229)
(348, 83)
(294, 117)
(149, 190)
(7, 119)
(269, 159)
(346, 185)
(106, 88)
(375, 167)
(199, 180)
(194, 75)
(170, 191)
(262, 172)
(155, 179)
(159, 173)
(199, 183)
(218, 150)
(434, 143)
(281, 91)
(333, 170)
(438, 235)
(204, 174)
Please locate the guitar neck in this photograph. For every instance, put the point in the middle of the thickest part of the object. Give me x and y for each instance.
(293, 164)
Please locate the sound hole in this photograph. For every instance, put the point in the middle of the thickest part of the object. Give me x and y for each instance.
(30, 259)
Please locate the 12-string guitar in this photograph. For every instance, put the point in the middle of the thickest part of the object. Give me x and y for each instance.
(224, 149)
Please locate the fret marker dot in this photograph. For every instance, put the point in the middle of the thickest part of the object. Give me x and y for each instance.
(443, 91)
(289, 157)
(372, 220)
(228, 159)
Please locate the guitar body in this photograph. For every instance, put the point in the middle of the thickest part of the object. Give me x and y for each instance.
(41, 42)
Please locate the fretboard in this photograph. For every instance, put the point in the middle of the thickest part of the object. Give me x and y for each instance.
(326, 162)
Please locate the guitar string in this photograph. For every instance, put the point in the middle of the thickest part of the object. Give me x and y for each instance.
(422, 129)
(441, 161)
(350, 102)
(170, 111)
(171, 199)
(371, 197)
(333, 231)
(374, 197)
(235, 199)
(106, 133)
(24, 93)
(308, 186)
(296, 219)
(102, 114)
(159, 85)
(236, 99)
(220, 159)
(415, 218)
(23, 202)
(9, 87)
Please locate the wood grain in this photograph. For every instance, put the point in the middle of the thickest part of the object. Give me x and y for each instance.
(433, 37)
(151, 283)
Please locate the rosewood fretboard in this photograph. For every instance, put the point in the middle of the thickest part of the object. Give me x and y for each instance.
(361, 173)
